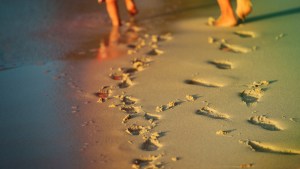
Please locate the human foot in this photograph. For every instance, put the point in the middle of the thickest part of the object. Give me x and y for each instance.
(227, 17)
(225, 21)
(244, 8)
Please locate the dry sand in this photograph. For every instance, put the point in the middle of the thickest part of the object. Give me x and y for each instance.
(192, 96)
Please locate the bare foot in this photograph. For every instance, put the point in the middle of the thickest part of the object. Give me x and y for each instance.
(227, 17)
(130, 5)
(225, 21)
(244, 8)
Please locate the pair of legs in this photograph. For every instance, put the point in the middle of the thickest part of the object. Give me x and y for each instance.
(113, 11)
(227, 17)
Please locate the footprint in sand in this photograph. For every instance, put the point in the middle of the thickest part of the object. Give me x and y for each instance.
(165, 37)
(224, 132)
(129, 71)
(191, 98)
(168, 106)
(104, 94)
(118, 75)
(203, 83)
(264, 123)
(127, 82)
(128, 117)
(234, 48)
(141, 63)
(245, 34)
(130, 109)
(147, 162)
(155, 52)
(151, 118)
(267, 148)
(137, 129)
(254, 92)
(212, 113)
(151, 144)
(221, 64)
(127, 100)
(138, 64)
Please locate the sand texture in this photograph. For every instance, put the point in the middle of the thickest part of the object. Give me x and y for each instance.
(166, 90)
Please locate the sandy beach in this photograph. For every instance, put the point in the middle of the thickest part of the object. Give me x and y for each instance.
(166, 90)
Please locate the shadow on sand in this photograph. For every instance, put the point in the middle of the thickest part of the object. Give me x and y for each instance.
(274, 14)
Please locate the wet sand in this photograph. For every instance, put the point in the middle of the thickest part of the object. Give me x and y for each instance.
(184, 95)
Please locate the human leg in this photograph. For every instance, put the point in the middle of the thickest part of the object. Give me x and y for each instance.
(130, 5)
(113, 12)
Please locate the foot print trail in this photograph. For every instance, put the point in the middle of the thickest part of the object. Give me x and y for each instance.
(221, 64)
(267, 148)
(254, 92)
(264, 123)
(212, 113)
(203, 83)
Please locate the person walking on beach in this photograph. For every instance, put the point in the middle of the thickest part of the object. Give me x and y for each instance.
(227, 17)
(113, 11)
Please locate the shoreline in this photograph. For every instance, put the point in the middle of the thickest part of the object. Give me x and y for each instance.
(182, 96)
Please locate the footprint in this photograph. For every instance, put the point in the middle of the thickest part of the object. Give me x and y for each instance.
(245, 34)
(212, 113)
(125, 83)
(166, 37)
(129, 71)
(250, 96)
(127, 117)
(224, 132)
(262, 83)
(254, 92)
(234, 48)
(104, 94)
(137, 130)
(139, 65)
(203, 83)
(147, 162)
(168, 106)
(129, 109)
(155, 52)
(127, 100)
(264, 123)
(151, 144)
(191, 98)
(119, 75)
(221, 64)
(151, 117)
(266, 148)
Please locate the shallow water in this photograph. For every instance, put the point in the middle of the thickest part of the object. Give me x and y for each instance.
(44, 30)
(39, 40)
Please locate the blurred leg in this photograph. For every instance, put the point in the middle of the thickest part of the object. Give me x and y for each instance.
(113, 12)
(130, 5)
